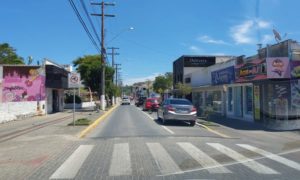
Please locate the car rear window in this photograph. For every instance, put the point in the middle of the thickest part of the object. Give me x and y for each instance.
(179, 101)
(153, 100)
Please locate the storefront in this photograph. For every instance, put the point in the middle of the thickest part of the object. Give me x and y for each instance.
(240, 96)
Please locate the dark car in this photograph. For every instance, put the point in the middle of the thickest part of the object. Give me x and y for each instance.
(140, 101)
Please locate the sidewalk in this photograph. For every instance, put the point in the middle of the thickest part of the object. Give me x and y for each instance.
(25, 145)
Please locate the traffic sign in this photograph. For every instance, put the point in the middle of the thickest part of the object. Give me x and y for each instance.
(74, 80)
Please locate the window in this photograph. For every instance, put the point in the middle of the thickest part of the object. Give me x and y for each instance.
(213, 99)
(187, 80)
(249, 100)
(179, 101)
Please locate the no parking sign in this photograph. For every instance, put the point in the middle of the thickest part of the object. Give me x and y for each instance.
(74, 80)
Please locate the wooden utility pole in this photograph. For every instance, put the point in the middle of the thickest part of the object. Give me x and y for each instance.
(102, 84)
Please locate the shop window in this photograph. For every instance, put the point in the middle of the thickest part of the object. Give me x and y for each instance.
(198, 102)
(187, 80)
(230, 99)
(249, 100)
(213, 99)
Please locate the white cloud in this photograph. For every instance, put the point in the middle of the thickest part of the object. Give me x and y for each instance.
(240, 33)
(208, 39)
(130, 81)
(195, 49)
(245, 32)
(263, 24)
(267, 38)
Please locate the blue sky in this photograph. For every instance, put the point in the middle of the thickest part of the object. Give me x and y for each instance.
(163, 30)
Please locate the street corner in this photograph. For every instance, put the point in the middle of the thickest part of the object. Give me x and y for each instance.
(102, 117)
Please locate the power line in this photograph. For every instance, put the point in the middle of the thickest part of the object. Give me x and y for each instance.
(84, 25)
(90, 20)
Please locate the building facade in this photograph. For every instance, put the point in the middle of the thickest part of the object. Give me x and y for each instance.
(265, 87)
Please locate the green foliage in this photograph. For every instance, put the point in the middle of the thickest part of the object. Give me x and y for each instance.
(8, 55)
(81, 122)
(69, 99)
(183, 89)
(89, 67)
(163, 82)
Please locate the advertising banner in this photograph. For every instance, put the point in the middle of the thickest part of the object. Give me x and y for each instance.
(223, 76)
(23, 84)
(251, 71)
(295, 69)
(278, 67)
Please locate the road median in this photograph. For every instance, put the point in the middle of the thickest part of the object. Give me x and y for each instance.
(84, 132)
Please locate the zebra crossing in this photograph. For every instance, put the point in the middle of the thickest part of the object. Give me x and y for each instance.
(121, 159)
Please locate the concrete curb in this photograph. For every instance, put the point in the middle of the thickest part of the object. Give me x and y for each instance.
(84, 132)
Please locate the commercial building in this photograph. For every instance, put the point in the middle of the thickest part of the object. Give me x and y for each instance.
(27, 90)
(265, 87)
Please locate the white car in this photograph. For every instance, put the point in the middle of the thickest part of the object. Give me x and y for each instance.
(125, 100)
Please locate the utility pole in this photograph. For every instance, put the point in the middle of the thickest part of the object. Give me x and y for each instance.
(117, 68)
(113, 53)
(103, 4)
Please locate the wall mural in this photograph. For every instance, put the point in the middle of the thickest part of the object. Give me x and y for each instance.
(23, 84)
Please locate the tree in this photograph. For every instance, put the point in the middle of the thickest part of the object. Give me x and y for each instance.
(8, 55)
(183, 89)
(163, 82)
(89, 67)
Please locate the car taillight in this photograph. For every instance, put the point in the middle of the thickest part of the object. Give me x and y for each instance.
(170, 108)
(194, 109)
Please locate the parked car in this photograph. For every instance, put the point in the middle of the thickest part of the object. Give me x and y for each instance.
(125, 100)
(177, 110)
(151, 104)
(140, 101)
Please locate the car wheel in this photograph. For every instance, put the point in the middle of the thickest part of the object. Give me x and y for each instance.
(192, 123)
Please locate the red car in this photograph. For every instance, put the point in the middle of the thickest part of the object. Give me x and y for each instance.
(150, 104)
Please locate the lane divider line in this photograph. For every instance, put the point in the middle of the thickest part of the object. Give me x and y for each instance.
(213, 131)
(84, 132)
(165, 128)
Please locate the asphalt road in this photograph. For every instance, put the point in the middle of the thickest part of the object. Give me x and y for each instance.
(132, 144)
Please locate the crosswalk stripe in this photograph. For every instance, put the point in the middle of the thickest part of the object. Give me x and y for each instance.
(255, 166)
(163, 160)
(203, 159)
(71, 166)
(272, 156)
(120, 162)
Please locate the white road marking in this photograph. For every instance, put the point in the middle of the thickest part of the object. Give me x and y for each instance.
(255, 166)
(71, 166)
(272, 156)
(120, 163)
(163, 160)
(167, 129)
(203, 159)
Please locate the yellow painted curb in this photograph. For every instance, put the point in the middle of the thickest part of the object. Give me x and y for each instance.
(213, 131)
(84, 132)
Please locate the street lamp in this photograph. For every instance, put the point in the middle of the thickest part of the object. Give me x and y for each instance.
(118, 34)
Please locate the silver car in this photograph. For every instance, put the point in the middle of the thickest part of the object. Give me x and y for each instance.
(177, 110)
(125, 100)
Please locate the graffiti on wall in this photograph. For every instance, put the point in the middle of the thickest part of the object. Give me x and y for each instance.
(23, 84)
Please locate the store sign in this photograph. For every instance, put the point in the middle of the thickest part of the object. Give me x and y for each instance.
(74, 80)
(250, 71)
(278, 67)
(223, 76)
(295, 69)
(199, 61)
